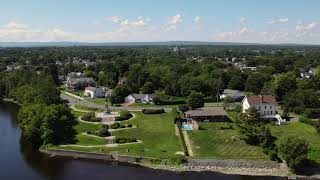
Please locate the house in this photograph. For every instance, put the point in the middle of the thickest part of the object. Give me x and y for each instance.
(235, 95)
(265, 105)
(139, 98)
(80, 83)
(212, 114)
(94, 92)
(207, 114)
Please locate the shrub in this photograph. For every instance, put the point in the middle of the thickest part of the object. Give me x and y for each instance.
(115, 126)
(124, 115)
(183, 108)
(153, 111)
(103, 133)
(88, 116)
(95, 119)
(176, 115)
(306, 120)
(121, 140)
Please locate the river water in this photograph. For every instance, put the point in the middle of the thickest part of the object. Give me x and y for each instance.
(19, 161)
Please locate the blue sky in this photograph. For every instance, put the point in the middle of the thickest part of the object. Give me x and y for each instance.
(268, 21)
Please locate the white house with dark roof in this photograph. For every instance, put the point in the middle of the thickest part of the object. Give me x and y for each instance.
(139, 98)
(265, 105)
(94, 92)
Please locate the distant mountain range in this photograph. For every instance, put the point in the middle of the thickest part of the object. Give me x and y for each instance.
(159, 43)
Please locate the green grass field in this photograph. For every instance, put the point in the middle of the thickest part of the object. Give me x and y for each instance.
(213, 142)
(302, 130)
(100, 101)
(157, 133)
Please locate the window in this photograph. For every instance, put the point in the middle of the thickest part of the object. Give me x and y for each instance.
(265, 107)
(270, 107)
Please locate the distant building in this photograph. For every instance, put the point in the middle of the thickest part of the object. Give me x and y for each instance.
(235, 95)
(139, 98)
(94, 92)
(265, 105)
(80, 83)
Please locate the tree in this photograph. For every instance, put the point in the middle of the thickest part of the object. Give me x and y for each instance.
(147, 88)
(195, 100)
(57, 126)
(226, 102)
(255, 82)
(118, 94)
(294, 151)
(250, 126)
(30, 119)
(284, 84)
(43, 124)
(236, 82)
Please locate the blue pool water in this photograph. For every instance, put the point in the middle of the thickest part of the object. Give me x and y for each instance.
(186, 127)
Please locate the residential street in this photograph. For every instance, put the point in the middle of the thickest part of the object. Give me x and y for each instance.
(73, 101)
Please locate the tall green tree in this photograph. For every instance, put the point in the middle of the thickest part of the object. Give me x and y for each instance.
(195, 100)
(294, 151)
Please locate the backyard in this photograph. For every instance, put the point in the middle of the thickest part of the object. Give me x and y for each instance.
(219, 140)
(301, 130)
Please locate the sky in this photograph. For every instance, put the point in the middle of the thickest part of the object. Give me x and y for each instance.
(249, 21)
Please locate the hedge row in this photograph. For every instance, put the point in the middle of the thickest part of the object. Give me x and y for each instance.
(118, 125)
(101, 133)
(90, 117)
(124, 115)
(153, 111)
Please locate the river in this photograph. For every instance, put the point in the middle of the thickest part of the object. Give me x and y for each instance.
(19, 161)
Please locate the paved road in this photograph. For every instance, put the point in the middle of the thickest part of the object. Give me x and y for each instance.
(73, 101)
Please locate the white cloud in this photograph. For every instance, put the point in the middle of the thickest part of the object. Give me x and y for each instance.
(126, 24)
(232, 35)
(174, 22)
(302, 30)
(276, 37)
(279, 21)
(196, 19)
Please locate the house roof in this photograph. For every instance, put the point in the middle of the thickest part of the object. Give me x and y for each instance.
(142, 96)
(231, 92)
(81, 80)
(207, 111)
(256, 100)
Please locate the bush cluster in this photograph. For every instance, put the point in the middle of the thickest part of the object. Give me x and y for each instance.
(90, 117)
(102, 133)
(153, 111)
(124, 115)
(119, 125)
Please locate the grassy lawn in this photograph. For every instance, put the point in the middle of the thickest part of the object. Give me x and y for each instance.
(82, 127)
(85, 108)
(157, 132)
(100, 101)
(214, 142)
(302, 130)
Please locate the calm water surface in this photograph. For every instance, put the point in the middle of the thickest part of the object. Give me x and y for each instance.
(19, 161)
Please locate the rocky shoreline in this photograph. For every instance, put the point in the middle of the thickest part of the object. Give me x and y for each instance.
(232, 167)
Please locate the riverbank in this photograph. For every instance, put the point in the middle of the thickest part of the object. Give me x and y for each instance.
(232, 167)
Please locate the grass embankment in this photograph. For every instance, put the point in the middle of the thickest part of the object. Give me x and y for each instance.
(157, 133)
(218, 142)
(305, 131)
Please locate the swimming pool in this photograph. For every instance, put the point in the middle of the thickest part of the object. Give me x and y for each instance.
(187, 127)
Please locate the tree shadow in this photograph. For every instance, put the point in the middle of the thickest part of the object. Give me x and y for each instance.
(309, 168)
